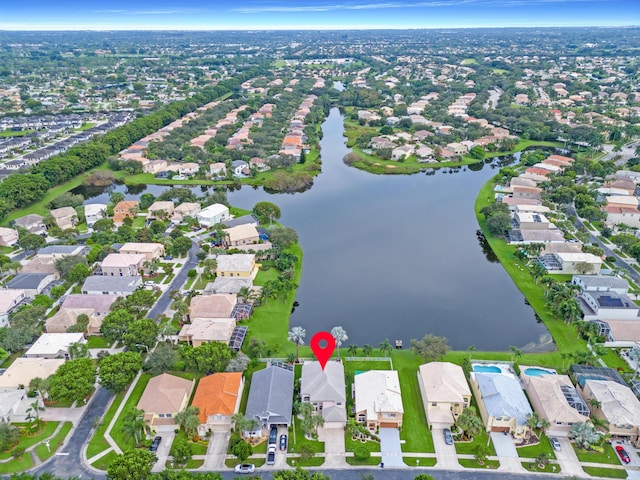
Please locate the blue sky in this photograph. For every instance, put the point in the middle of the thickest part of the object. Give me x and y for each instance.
(311, 14)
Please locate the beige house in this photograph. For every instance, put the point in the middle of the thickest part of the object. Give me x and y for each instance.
(618, 406)
(554, 398)
(154, 166)
(163, 397)
(8, 237)
(378, 401)
(149, 250)
(23, 370)
(122, 264)
(531, 221)
(9, 301)
(445, 392)
(237, 265)
(578, 263)
(186, 209)
(325, 390)
(218, 398)
(160, 210)
(212, 306)
(32, 223)
(241, 235)
(65, 217)
(207, 330)
(96, 307)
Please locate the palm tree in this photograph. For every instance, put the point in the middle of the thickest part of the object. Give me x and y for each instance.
(532, 421)
(515, 353)
(469, 422)
(296, 335)
(78, 350)
(584, 434)
(240, 423)
(565, 356)
(33, 413)
(471, 349)
(189, 420)
(340, 335)
(600, 424)
(133, 425)
(353, 349)
(592, 402)
(385, 347)
(367, 349)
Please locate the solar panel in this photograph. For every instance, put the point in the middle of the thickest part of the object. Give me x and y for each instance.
(607, 301)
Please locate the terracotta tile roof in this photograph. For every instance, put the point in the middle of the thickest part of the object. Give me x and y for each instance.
(217, 394)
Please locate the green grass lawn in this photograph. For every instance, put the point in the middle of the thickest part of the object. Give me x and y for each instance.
(196, 448)
(532, 451)
(116, 431)
(258, 462)
(473, 463)
(609, 456)
(469, 448)
(97, 341)
(419, 461)
(27, 440)
(415, 432)
(43, 452)
(17, 465)
(549, 468)
(606, 472)
(297, 440)
(103, 462)
(370, 446)
(97, 443)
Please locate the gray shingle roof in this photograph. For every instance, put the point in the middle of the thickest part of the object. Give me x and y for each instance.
(99, 283)
(271, 396)
(503, 396)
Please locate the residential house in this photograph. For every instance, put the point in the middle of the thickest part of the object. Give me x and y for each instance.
(155, 166)
(555, 399)
(402, 152)
(14, 405)
(9, 301)
(243, 220)
(531, 221)
(572, 262)
(259, 164)
(324, 388)
(207, 330)
(620, 214)
(523, 191)
(20, 373)
(212, 306)
(65, 217)
(228, 285)
(161, 210)
(186, 209)
(8, 237)
(608, 306)
(123, 265)
(31, 283)
(502, 403)
(218, 170)
(94, 212)
(445, 392)
(378, 401)
(54, 345)
(53, 253)
(457, 148)
(237, 265)
(618, 406)
(241, 235)
(164, 397)
(120, 286)
(218, 398)
(601, 283)
(32, 223)
(124, 209)
(212, 215)
(96, 307)
(271, 398)
(151, 251)
(240, 168)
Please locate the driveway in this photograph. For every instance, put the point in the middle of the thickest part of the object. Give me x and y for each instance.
(334, 448)
(163, 450)
(506, 452)
(446, 454)
(567, 459)
(390, 447)
(217, 451)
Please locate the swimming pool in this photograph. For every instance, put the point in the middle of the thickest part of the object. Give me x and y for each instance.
(487, 369)
(536, 372)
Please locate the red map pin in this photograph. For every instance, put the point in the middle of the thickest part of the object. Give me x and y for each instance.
(323, 351)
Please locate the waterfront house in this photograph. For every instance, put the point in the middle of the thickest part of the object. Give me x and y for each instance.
(32, 223)
(601, 283)
(124, 209)
(240, 236)
(212, 306)
(161, 210)
(445, 392)
(94, 212)
(65, 217)
(237, 265)
(186, 209)
(378, 401)
(325, 390)
(213, 214)
(607, 306)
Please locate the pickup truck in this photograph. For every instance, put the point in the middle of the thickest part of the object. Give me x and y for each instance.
(271, 455)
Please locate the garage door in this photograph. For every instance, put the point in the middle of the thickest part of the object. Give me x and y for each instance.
(388, 425)
(500, 429)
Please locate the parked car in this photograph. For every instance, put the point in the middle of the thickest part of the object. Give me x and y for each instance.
(448, 438)
(622, 453)
(245, 468)
(555, 443)
(155, 444)
(273, 435)
(283, 442)
(271, 455)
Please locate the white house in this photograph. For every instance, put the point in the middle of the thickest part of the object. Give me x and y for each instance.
(213, 214)
(94, 212)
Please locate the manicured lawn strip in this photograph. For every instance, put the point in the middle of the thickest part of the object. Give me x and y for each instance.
(415, 431)
(473, 463)
(98, 443)
(419, 461)
(258, 462)
(103, 462)
(193, 463)
(116, 431)
(270, 322)
(532, 451)
(549, 468)
(350, 367)
(309, 462)
(17, 465)
(370, 446)
(97, 341)
(27, 441)
(469, 448)
(297, 441)
(369, 461)
(196, 448)
(606, 472)
(43, 452)
(609, 456)
(52, 193)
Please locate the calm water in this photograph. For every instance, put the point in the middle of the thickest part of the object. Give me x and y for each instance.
(394, 256)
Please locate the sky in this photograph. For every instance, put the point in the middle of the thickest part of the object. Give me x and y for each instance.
(310, 14)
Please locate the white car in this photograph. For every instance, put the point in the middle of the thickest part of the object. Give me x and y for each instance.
(245, 468)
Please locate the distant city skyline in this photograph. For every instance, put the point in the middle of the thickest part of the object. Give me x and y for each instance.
(312, 14)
